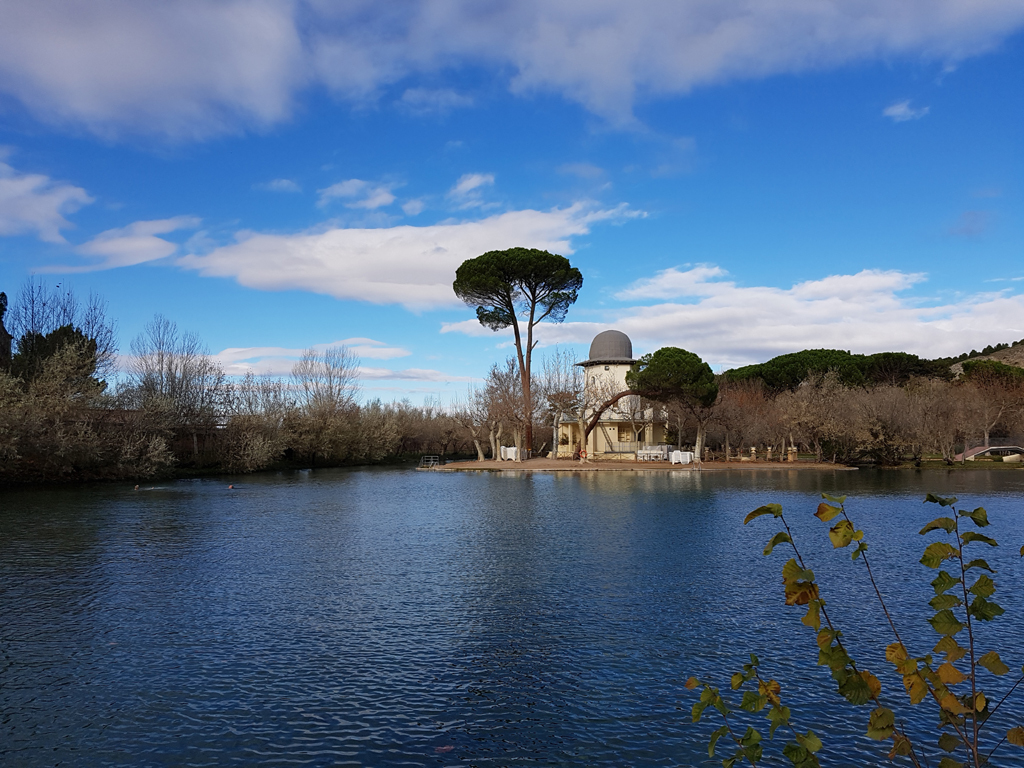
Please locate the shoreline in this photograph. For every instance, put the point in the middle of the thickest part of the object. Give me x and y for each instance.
(566, 465)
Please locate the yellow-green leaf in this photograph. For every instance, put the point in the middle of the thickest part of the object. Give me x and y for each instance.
(949, 762)
(691, 683)
(779, 538)
(951, 703)
(813, 616)
(941, 602)
(993, 663)
(777, 716)
(985, 610)
(917, 687)
(752, 702)
(944, 582)
(1016, 736)
(895, 652)
(983, 587)
(936, 552)
(942, 501)
(770, 691)
(715, 736)
(979, 516)
(737, 680)
(945, 623)
(979, 563)
(841, 534)
(901, 746)
(949, 674)
(947, 524)
(980, 702)
(840, 500)
(951, 648)
(949, 743)
(826, 512)
(880, 724)
(874, 686)
(971, 536)
(810, 742)
(767, 509)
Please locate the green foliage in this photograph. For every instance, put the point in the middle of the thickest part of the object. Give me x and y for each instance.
(950, 684)
(787, 372)
(994, 372)
(34, 350)
(674, 375)
(502, 283)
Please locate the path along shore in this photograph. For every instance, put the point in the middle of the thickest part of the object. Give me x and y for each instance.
(566, 465)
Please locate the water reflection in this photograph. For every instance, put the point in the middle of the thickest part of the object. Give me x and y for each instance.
(396, 618)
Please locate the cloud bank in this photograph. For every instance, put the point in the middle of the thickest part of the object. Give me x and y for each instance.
(407, 265)
(188, 69)
(729, 324)
(34, 203)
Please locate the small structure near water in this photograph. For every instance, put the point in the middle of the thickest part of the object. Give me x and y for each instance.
(624, 429)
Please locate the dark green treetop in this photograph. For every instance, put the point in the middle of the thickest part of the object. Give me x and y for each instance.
(674, 375)
(502, 284)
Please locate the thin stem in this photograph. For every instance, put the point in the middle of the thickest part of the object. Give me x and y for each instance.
(739, 744)
(970, 634)
(997, 746)
(874, 584)
(997, 706)
(828, 620)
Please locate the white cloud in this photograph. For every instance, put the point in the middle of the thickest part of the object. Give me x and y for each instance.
(409, 374)
(279, 185)
(135, 244)
(423, 101)
(188, 69)
(470, 182)
(467, 192)
(901, 111)
(729, 325)
(672, 283)
(370, 196)
(183, 70)
(407, 265)
(278, 361)
(32, 202)
(413, 207)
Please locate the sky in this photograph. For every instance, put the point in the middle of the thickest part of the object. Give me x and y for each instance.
(740, 179)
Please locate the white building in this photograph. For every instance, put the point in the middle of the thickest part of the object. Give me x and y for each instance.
(624, 428)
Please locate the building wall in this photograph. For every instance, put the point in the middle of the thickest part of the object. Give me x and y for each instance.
(605, 441)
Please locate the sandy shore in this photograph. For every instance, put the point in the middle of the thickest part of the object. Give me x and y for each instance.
(565, 465)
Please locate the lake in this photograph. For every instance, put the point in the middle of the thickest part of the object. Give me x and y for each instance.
(390, 617)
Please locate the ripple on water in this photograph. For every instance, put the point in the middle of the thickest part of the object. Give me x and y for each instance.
(400, 618)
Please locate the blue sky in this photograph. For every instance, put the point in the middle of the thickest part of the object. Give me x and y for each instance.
(738, 180)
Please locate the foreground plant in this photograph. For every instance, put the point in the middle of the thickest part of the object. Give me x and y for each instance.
(969, 731)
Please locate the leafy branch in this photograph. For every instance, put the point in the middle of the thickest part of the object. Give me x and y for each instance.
(965, 714)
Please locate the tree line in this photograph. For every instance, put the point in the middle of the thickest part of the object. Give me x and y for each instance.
(71, 408)
(171, 408)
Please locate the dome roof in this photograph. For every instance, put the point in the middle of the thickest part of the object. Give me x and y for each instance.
(611, 347)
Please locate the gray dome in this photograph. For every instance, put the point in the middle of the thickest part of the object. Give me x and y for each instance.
(611, 347)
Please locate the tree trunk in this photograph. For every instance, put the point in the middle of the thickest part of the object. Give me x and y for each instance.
(479, 449)
(698, 447)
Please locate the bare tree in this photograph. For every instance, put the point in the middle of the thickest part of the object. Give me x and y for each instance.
(174, 373)
(326, 384)
(505, 400)
(39, 309)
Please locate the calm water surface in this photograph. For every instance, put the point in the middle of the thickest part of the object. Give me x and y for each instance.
(389, 617)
